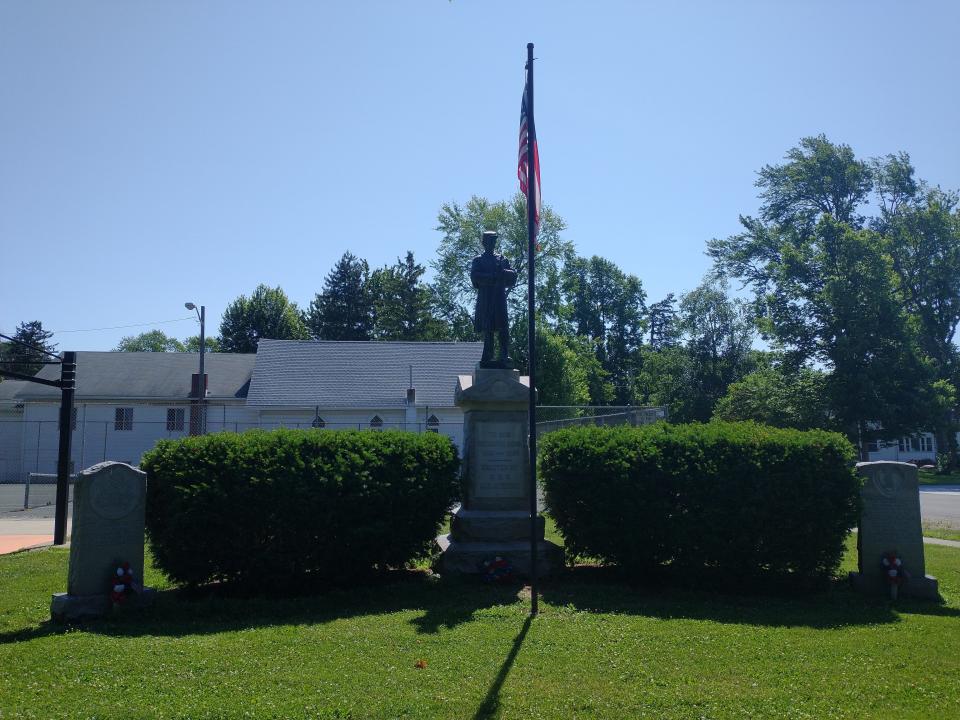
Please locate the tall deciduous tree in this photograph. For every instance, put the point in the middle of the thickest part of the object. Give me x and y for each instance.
(23, 358)
(662, 322)
(152, 341)
(461, 227)
(607, 305)
(267, 313)
(826, 289)
(344, 309)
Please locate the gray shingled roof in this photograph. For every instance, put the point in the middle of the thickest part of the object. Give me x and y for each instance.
(147, 375)
(341, 374)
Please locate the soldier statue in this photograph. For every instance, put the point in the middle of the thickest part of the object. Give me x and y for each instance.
(493, 277)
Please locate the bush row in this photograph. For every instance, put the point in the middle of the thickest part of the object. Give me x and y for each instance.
(283, 507)
(728, 503)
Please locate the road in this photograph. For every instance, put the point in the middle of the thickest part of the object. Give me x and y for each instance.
(940, 505)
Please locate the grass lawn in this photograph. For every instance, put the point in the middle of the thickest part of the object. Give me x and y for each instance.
(941, 531)
(929, 477)
(600, 649)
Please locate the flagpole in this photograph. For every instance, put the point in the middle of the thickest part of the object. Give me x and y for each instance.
(531, 333)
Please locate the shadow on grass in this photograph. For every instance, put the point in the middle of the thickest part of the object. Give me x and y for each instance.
(491, 703)
(606, 590)
(447, 603)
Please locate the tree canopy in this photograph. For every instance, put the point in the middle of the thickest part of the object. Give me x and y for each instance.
(267, 313)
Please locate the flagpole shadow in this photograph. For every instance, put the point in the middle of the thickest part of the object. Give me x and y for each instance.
(491, 703)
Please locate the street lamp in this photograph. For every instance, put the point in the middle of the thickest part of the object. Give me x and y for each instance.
(201, 385)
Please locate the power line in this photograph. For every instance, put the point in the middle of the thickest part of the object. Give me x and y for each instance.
(120, 327)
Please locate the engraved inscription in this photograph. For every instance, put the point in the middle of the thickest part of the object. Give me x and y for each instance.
(113, 495)
(498, 455)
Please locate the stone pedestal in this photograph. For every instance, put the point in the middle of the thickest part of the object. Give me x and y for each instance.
(494, 519)
(890, 523)
(109, 504)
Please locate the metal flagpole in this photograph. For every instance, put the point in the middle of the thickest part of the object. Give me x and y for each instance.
(531, 332)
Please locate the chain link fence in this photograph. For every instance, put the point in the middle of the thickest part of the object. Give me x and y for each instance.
(28, 448)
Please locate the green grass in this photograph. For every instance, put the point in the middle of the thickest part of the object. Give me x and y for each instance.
(944, 532)
(930, 477)
(600, 649)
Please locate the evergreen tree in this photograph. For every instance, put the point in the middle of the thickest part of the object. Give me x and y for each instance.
(24, 359)
(662, 321)
(344, 310)
(402, 303)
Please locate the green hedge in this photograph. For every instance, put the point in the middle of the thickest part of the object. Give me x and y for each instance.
(724, 503)
(283, 508)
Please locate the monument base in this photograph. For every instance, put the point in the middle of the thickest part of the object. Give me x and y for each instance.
(66, 608)
(467, 556)
(921, 588)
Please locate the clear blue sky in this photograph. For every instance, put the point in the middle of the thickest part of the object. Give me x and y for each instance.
(157, 152)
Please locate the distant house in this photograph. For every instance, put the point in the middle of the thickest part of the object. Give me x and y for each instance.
(125, 402)
(916, 448)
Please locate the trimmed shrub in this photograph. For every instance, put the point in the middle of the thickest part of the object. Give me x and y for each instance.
(281, 508)
(726, 503)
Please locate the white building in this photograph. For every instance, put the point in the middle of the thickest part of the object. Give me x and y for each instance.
(125, 402)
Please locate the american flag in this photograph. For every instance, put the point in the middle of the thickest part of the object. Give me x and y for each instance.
(528, 133)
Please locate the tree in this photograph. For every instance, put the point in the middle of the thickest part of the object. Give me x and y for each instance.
(25, 354)
(719, 332)
(780, 398)
(921, 233)
(461, 228)
(344, 310)
(267, 313)
(662, 321)
(402, 303)
(153, 341)
(211, 344)
(825, 288)
(607, 305)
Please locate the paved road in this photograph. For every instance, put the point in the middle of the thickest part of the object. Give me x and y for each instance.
(940, 505)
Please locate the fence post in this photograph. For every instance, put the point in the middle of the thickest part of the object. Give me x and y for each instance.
(26, 494)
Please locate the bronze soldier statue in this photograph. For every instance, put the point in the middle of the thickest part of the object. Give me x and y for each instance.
(492, 276)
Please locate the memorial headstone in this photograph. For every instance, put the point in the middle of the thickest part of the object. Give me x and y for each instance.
(109, 504)
(890, 528)
(494, 518)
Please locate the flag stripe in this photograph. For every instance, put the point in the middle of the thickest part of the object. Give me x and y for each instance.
(528, 133)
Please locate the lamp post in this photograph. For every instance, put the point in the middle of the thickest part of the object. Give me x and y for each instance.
(201, 385)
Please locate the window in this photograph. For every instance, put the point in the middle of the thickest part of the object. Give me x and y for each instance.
(123, 419)
(175, 419)
(433, 424)
(926, 443)
(376, 423)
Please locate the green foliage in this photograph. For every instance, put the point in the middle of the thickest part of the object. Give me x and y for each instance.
(267, 313)
(568, 372)
(606, 305)
(23, 359)
(153, 341)
(729, 503)
(211, 344)
(779, 397)
(402, 304)
(826, 288)
(344, 310)
(284, 508)
(662, 322)
(462, 226)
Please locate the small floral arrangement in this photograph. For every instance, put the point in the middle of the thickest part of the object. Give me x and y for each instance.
(497, 570)
(122, 584)
(894, 571)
